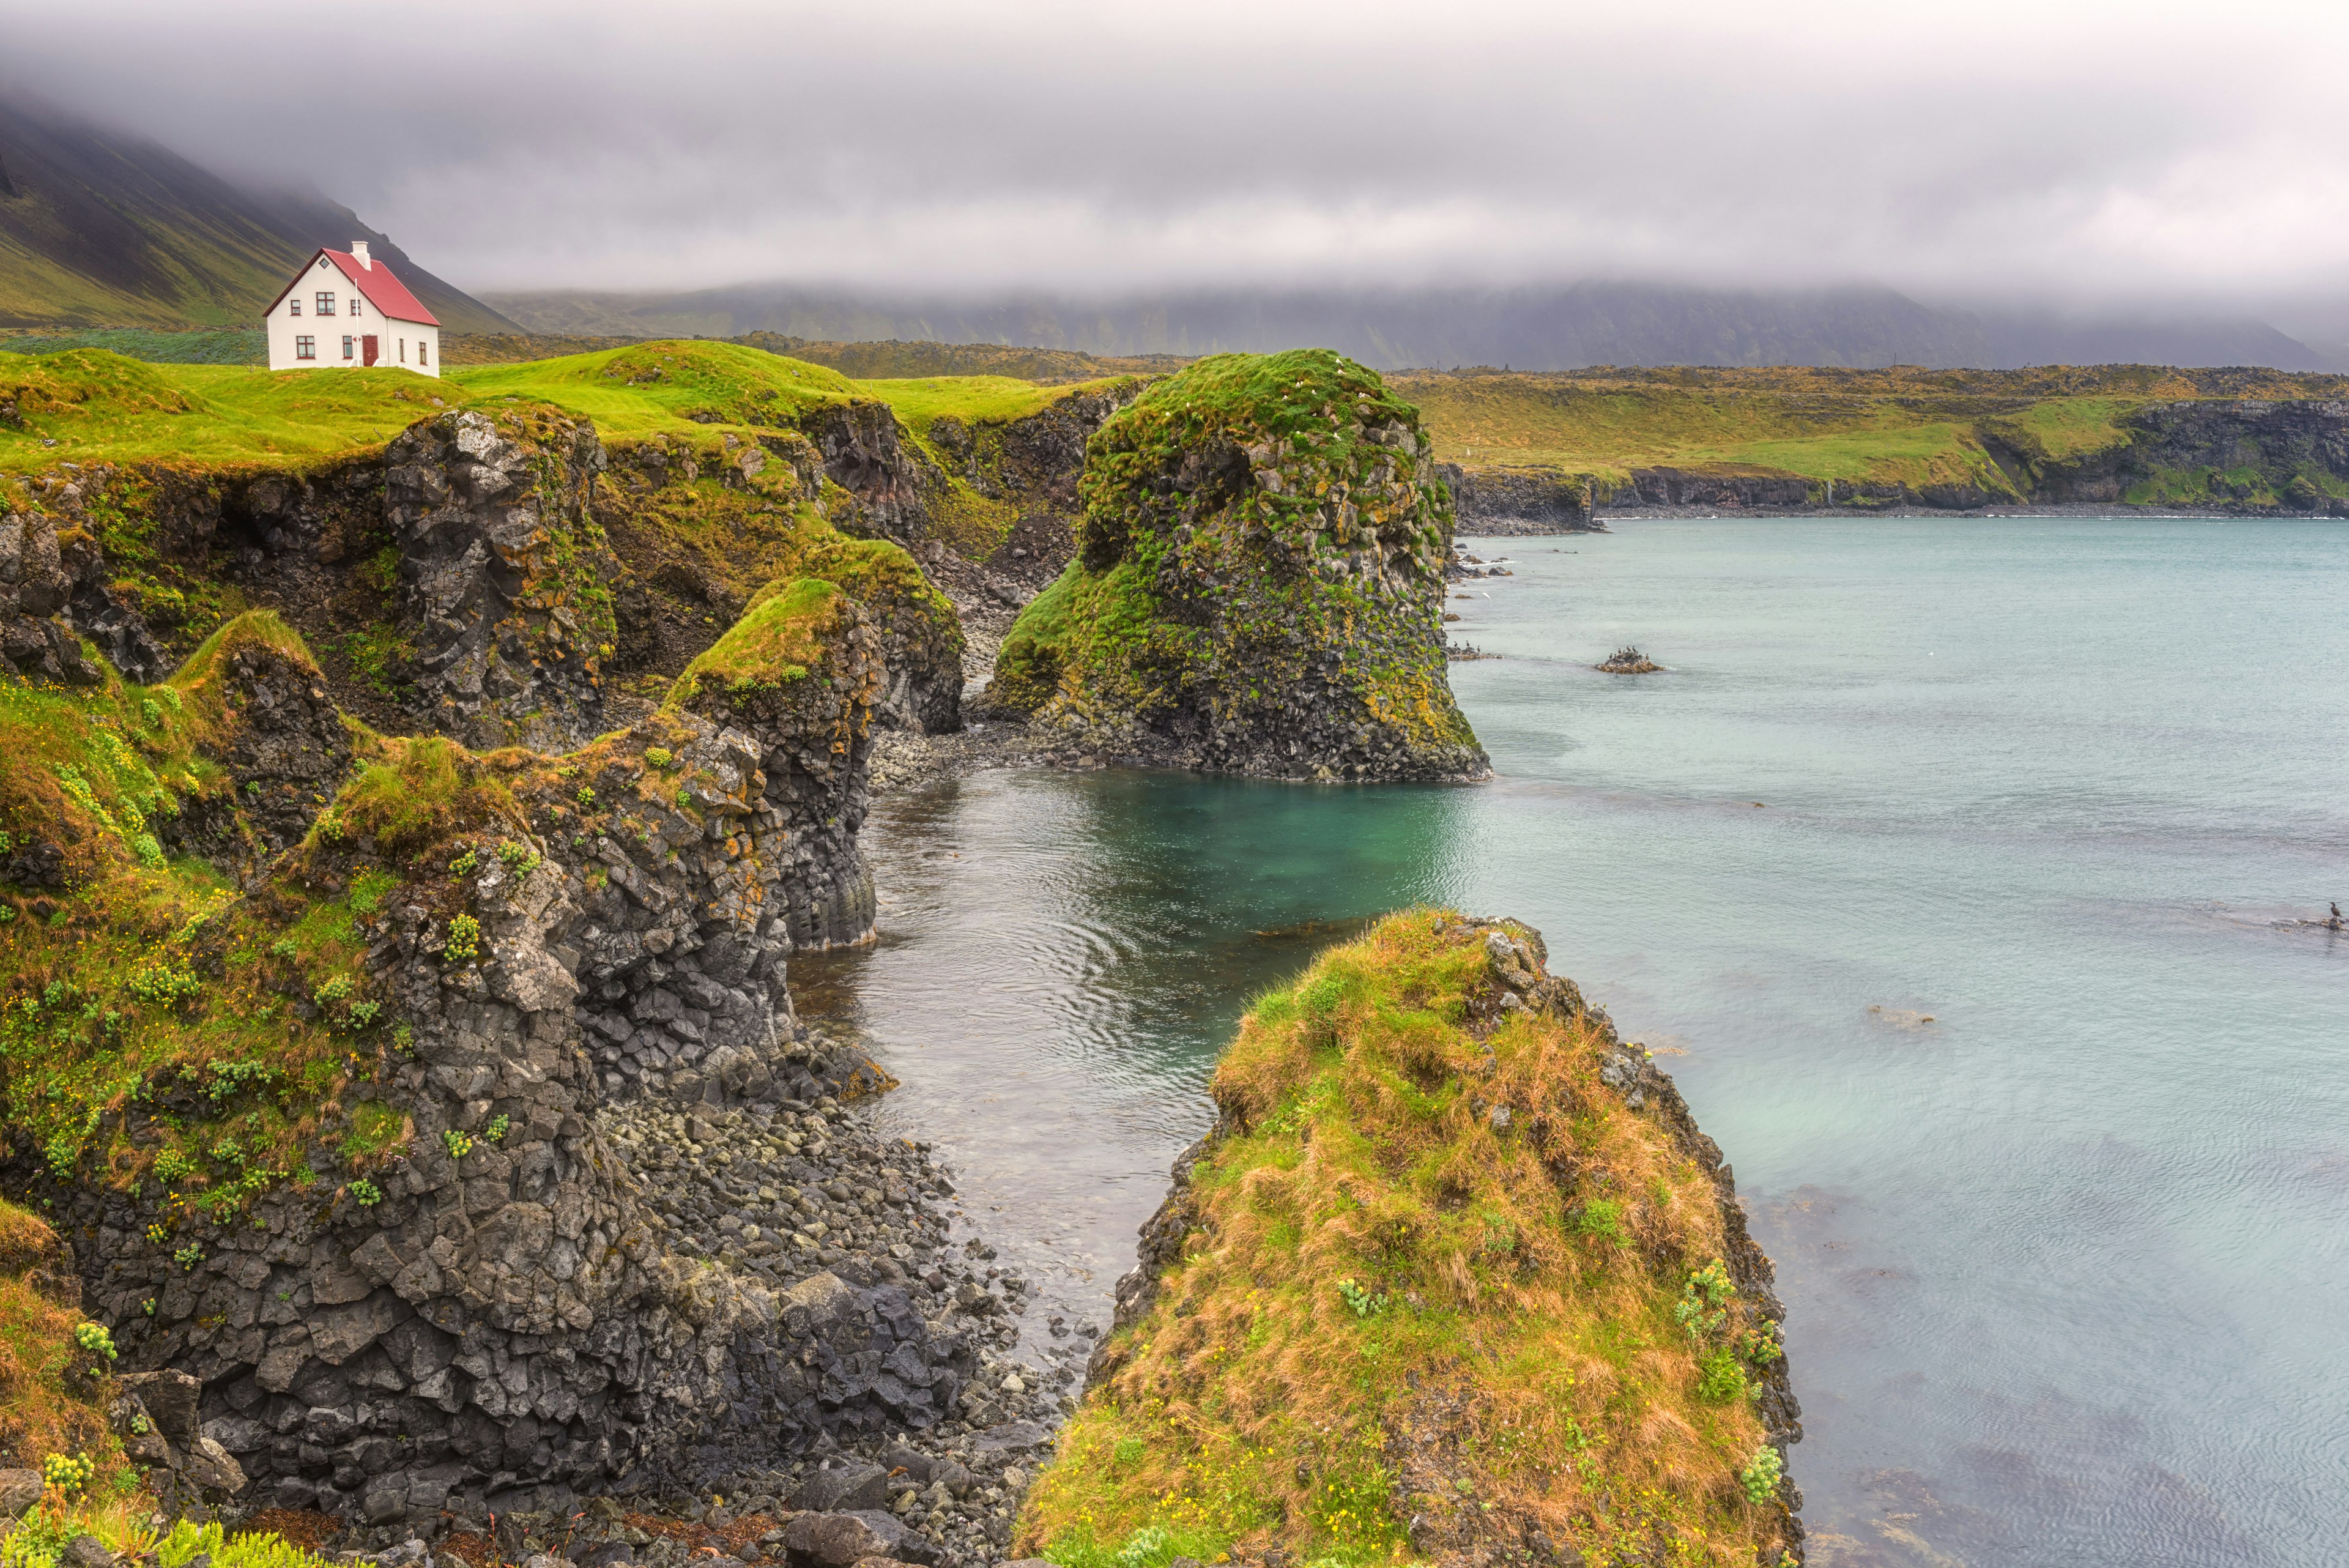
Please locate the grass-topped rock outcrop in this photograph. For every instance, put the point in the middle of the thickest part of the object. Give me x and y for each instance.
(1257, 584)
(1454, 1279)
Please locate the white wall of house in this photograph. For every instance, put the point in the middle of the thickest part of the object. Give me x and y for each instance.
(400, 345)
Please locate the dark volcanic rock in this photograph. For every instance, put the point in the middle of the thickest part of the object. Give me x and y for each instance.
(1258, 584)
(1498, 500)
(504, 575)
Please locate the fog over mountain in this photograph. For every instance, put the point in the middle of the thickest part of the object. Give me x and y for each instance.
(1497, 180)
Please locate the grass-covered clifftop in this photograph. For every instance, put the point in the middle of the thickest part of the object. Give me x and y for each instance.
(1257, 582)
(1453, 1280)
(2049, 433)
(91, 405)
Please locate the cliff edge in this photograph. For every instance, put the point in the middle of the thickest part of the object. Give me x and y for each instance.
(1258, 584)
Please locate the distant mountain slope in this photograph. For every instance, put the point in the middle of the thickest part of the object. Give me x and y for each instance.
(1560, 327)
(101, 230)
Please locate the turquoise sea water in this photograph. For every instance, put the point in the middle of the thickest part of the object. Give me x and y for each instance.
(2065, 1267)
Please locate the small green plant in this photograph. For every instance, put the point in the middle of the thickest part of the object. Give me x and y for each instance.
(1703, 1305)
(171, 1165)
(1602, 1219)
(459, 1145)
(500, 1125)
(520, 858)
(189, 1256)
(1360, 1301)
(1761, 1346)
(362, 1013)
(464, 940)
(464, 864)
(1721, 1377)
(141, 1425)
(403, 1041)
(284, 948)
(366, 1193)
(1761, 1477)
(1128, 1450)
(67, 1472)
(1147, 1547)
(148, 1306)
(332, 990)
(165, 984)
(658, 756)
(587, 798)
(149, 852)
(151, 712)
(95, 1338)
(330, 826)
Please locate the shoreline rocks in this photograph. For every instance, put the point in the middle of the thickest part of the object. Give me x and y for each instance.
(1627, 661)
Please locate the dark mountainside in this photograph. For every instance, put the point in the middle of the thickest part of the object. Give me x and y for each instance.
(1554, 328)
(99, 229)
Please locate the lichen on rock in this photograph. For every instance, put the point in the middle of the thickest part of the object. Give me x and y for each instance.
(1258, 583)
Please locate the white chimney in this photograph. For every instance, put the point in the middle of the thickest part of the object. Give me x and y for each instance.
(358, 255)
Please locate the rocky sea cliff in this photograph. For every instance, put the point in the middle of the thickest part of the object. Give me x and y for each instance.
(403, 854)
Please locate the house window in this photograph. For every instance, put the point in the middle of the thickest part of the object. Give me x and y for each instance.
(422, 356)
(403, 350)
(306, 347)
(293, 307)
(346, 346)
(354, 306)
(326, 303)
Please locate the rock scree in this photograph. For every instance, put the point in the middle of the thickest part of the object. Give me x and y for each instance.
(1258, 583)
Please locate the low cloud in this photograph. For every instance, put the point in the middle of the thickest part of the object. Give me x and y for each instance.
(2081, 154)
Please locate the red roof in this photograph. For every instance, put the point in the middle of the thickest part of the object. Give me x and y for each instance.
(386, 293)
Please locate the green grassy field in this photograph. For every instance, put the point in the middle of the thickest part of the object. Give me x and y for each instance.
(88, 405)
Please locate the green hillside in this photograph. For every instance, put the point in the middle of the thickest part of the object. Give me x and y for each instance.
(99, 230)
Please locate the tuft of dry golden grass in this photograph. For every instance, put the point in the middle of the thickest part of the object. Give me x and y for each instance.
(49, 1403)
(1426, 1303)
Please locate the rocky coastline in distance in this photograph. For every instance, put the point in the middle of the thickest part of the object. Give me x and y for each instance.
(577, 1242)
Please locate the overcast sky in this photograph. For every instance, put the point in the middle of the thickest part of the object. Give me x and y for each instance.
(2094, 152)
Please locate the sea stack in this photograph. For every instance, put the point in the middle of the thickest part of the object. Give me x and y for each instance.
(1454, 1279)
(1258, 586)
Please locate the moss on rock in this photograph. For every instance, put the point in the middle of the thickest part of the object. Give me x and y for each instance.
(1257, 584)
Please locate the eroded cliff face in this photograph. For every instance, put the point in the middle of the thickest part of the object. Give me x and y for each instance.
(488, 1310)
(1495, 499)
(2256, 454)
(505, 575)
(53, 592)
(1258, 586)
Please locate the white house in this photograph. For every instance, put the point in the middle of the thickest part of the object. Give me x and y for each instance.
(346, 309)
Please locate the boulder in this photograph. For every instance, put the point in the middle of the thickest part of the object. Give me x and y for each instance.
(851, 1486)
(842, 1539)
(19, 1490)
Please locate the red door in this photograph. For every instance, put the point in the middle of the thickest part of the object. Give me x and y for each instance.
(368, 348)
